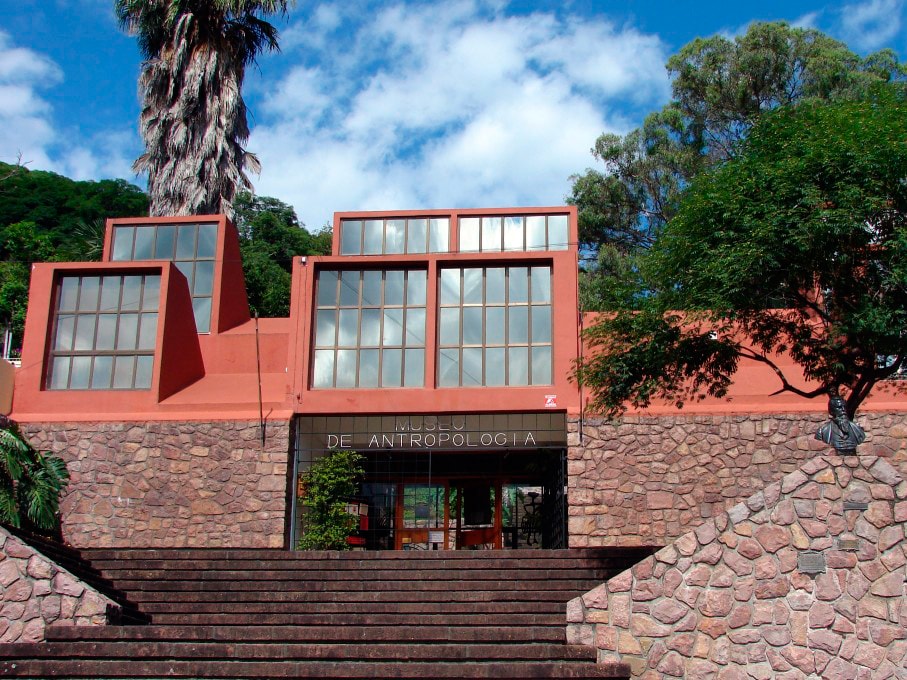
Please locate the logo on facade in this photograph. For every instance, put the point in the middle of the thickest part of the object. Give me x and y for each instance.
(550, 401)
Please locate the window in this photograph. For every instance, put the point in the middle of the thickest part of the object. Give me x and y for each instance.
(494, 326)
(394, 236)
(105, 330)
(370, 329)
(516, 232)
(190, 246)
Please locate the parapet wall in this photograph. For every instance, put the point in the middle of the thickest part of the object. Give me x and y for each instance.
(805, 579)
(647, 480)
(168, 484)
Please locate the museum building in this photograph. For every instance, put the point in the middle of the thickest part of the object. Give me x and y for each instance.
(438, 344)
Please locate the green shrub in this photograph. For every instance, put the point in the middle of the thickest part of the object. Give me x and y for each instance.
(326, 488)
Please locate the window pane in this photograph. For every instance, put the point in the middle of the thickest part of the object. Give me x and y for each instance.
(518, 327)
(472, 325)
(535, 232)
(204, 278)
(327, 289)
(393, 326)
(416, 235)
(163, 247)
(449, 368)
(391, 367)
(472, 366)
(439, 235)
(185, 242)
(541, 284)
(541, 324)
(393, 288)
(132, 292)
(472, 285)
(368, 368)
(143, 367)
(371, 328)
(374, 233)
(66, 326)
(513, 233)
(144, 243)
(415, 327)
(207, 241)
(541, 365)
(151, 295)
(107, 331)
(88, 296)
(518, 368)
(59, 373)
(324, 368)
(519, 285)
(349, 331)
(414, 371)
(494, 285)
(81, 369)
(495, 366)
(494, 326)
(371, 288)
(122, 243)
(415, 287)
(394, 232)
(85, 327)
(450, 286)
(202, 309)
(187, 269)
(346, 367)
(469, 234)
(325, 327)
(557, 232)
(69, 293)
(148, 331)
(491, 234)
(102, 373)
(450, 326)
(349, 289)
(127, 335)
(110, 293)
(123, 372)
(350, 237)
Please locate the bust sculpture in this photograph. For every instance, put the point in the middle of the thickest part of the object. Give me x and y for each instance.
(841, 432)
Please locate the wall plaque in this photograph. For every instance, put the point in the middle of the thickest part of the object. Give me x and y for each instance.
(856, 505)
(811, 562)
(849, 544)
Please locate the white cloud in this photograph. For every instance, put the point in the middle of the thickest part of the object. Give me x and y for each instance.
(447, 105)
(871, 25)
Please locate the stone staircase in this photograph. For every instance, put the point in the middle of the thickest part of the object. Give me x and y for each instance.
(279, 614)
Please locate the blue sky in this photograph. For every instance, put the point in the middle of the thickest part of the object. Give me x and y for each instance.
(395, 105)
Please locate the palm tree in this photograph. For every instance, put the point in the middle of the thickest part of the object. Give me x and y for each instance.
(193, 116)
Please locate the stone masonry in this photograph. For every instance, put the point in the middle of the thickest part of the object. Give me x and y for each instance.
(170, 484)
(647, 480)
(737, 598)
(35, 593)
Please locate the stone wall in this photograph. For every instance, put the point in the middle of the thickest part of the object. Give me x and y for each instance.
(35, 592)
(647, 480)
(170, 484)
(733, 600)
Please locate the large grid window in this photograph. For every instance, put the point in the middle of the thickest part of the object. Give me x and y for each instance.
(517, 232)
(105, 330)
(494, 326)
(190, 246)
(394, 236)
(370, 329)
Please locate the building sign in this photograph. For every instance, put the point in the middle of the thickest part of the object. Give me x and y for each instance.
(450, 432)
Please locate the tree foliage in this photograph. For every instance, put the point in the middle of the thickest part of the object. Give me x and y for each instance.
(327, 487)
(797, 245)
(193, 117)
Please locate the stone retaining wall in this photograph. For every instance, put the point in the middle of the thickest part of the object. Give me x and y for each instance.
(647, 480)
(169, 484)
(35, 592)
(732, 600)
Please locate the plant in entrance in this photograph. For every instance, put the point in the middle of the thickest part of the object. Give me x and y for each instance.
(30, 482)
(326, 488)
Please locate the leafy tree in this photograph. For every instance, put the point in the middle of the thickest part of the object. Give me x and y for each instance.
(797, 246)
(30, 482)
(721, 87)
(327, 487)
(193, 116)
